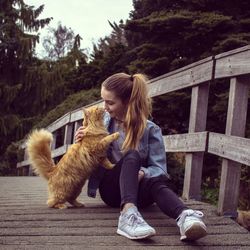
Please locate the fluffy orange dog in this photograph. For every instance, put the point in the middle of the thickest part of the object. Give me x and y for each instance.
(66, 179)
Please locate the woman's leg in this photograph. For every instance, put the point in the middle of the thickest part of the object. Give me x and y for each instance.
(122, 185)
(119, 186)
(189, 221)
(157, 190)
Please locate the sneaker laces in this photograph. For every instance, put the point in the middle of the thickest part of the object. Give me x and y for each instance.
(135, 219)
(189, 212)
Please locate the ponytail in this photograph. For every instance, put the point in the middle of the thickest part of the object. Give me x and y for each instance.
(139, 109)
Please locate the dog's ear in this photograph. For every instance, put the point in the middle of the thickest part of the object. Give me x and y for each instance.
(85, 117)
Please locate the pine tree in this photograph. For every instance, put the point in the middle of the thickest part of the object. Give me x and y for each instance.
(17, 43)
(165, 35)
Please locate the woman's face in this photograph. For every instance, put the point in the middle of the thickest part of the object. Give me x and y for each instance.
(113, 104)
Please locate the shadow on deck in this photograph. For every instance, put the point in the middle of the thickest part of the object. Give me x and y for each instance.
(27, 223)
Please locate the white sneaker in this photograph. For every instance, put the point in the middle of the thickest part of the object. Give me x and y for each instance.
(191, 226)
(133, 226)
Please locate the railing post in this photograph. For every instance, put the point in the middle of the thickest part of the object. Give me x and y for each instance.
(26, 169)
(197, 123)
(68, 134)
(53, 145)
(236, 123)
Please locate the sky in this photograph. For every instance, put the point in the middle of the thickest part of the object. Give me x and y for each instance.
(88, 18)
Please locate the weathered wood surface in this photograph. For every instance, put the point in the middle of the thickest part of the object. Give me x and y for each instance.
(235, 126)
(27, 223)
(189, 142)
(233, 63)
(190, 75)
(62, 121)
(60, 151)
(230, 147)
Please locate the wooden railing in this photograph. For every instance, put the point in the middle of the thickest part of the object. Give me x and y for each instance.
(231, 146)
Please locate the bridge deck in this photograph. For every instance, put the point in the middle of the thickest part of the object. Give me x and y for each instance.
(27, 223)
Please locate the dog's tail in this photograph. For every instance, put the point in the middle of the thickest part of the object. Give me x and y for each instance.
(39, 152)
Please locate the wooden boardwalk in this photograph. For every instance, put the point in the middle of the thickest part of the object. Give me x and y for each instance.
(27, 223)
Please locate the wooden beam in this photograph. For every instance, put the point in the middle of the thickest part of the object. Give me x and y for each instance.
(68, 134)
(230, 147)
(197, 123)
(59, 123)
(236, 122)
(190, 142)
(59, 151)
(233, 63)
(188, 76)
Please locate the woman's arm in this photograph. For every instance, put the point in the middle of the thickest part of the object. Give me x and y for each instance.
(156, 162)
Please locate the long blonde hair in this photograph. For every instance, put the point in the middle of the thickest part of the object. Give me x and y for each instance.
(133, 92)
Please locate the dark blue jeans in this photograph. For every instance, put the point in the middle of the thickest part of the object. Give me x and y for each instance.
(120, 185)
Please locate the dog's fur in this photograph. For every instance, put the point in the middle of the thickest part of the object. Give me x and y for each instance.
(243, 219)
(66, 179)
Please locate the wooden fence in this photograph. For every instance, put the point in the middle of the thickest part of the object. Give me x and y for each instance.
(231, 146)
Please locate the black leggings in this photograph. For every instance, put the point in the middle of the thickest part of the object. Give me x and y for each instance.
(120, 185)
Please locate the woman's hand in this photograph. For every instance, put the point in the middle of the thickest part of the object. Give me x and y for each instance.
(79, 134)
(140, 175)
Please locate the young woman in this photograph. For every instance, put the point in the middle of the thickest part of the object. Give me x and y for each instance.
(140, 176)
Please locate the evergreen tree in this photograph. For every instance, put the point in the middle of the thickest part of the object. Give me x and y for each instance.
(165, 35)
(17, 44)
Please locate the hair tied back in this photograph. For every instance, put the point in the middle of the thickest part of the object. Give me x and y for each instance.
(131, 78)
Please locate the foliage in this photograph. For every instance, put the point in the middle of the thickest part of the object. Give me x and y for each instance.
(17, 21)
(176, 169)
(71, 103)
(58, 42)
(244, 201)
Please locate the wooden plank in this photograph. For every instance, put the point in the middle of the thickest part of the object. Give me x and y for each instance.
(88, 229)
(116, 240)
(237, 106)
(235, 126)
(211, 222)
(76, 115)
(230, 147)
(23, 163)
(62, 121)
(27, 226)
(55, 153)
(143, 246)
(188, 76)
(59, 151)
(189, 142)
(53, 143)
(233, 63)
(197, 123)
(68, 134)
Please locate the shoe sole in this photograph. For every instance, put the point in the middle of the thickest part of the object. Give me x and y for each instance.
(194, 233)
(146, 236)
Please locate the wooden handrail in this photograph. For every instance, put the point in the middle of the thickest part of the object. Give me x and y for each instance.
(231, 146)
